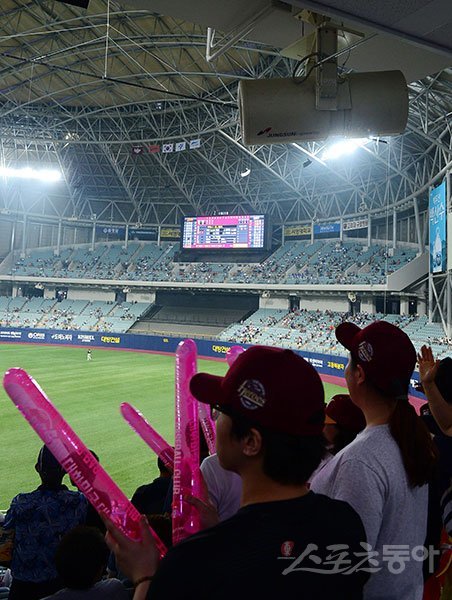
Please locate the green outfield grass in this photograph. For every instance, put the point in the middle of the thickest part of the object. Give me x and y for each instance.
(88, 394)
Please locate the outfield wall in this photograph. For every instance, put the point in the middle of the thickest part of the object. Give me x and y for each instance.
(330, 366)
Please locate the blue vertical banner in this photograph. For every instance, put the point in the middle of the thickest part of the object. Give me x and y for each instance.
(437, 217)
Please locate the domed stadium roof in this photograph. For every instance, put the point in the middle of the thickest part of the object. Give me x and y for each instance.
(101, 92)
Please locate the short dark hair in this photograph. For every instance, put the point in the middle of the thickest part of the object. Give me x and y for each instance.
(81, 557)
(162, 467)
(288, 459)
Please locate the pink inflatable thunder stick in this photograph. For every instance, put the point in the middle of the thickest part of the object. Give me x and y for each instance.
(207, 426)
(148, 434)
(187, 479)
(233, 353)
(75, 458)
(206, 421)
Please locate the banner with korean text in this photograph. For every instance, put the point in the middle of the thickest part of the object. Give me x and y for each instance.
(437, 229)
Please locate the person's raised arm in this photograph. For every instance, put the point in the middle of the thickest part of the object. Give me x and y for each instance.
(441, 410)
(137, 560)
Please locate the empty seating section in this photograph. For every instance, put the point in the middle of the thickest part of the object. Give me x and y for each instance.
(322, 262)
(122, 316)
(194, 315)
(70, 314)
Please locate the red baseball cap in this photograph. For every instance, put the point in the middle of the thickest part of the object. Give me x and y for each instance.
(274, 388)
(385, 353)
(341, 411)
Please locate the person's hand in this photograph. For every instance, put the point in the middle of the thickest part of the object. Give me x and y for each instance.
(134, 559)
(207, 512)
(428, 366)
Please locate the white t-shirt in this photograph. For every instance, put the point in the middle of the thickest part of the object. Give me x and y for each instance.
(224, 487)
(370, 476)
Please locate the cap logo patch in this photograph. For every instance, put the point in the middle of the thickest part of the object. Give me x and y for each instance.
(252, 394)
(287, 548)
(365, 351)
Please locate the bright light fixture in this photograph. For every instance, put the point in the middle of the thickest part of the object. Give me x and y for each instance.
(47, 175)
(343, 148)
(245, 173)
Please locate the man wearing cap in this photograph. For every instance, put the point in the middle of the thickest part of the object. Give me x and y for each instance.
(39, 519)
(383, 474)
(285, 541)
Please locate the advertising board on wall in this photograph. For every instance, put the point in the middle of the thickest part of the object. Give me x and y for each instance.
(297, 231)
(326, 364)
(437, 229)
(327, 230)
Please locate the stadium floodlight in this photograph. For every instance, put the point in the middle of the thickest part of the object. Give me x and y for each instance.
(46, 175)
(343, 148)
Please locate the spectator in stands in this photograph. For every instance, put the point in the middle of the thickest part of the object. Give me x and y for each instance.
(270, 409)
(384, 473)
(343, 421)
(150, 498)
(39, 519)
(440, 405)
(442, 373)
(81, 559)
(93, 518)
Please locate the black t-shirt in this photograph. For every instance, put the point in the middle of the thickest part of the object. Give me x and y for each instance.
(269, 550)
(149, 499)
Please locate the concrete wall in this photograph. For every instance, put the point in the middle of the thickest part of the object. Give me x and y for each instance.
(141, 297)
(90, 294)
(274, 303)
(336, 303)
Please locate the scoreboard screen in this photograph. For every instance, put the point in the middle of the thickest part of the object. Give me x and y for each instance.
(224, 231)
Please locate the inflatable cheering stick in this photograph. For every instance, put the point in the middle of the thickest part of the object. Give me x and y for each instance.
(207, 426)
(187, 475)
(233, 353)
(72, 454)
(148, 434)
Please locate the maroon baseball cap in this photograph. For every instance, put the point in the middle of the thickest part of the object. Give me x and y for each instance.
(385, 353)
(274, 388)
(341, 411)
